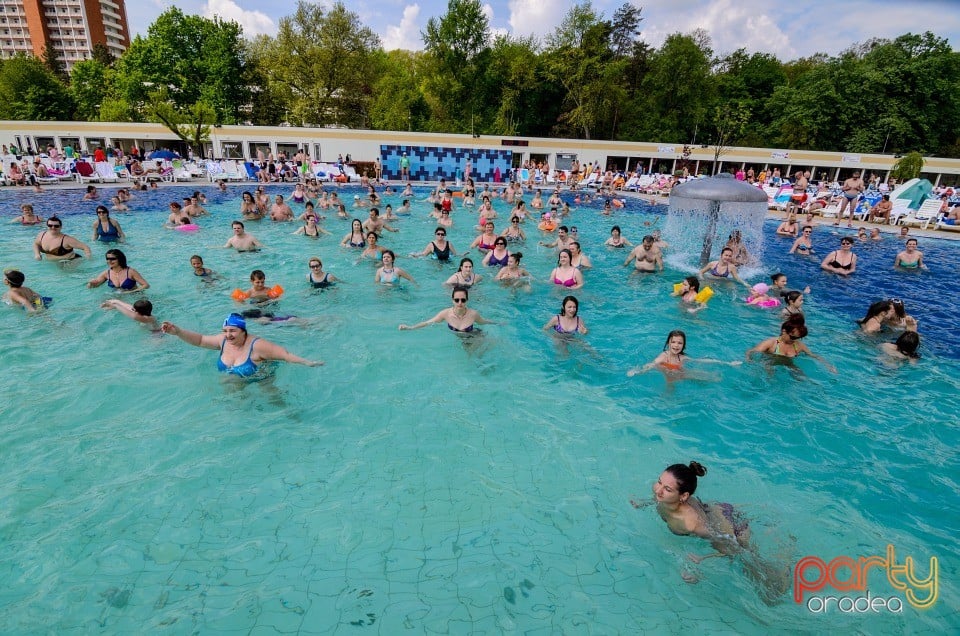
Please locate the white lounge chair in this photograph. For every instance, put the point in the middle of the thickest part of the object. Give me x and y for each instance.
(901, 208)
(231, 171)
(929, 211)
(215, 171)
(180, 172)
(106, 172)
(86, 172)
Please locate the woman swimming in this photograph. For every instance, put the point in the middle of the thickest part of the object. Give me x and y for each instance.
(486, 240)
(105, 229)
(354, 238)
(388, 273)
(787, 344)
(803, 245)
(439, 248)
(27, 216)
(793, 305)
(723, 268)
(877, 315)
(318, 278)
(616, 239)
(464, 276)
(568, 320)
(514, 233)
(119, 275)
(458, 317)
(240, 354)
(910, 257)
(56, 245)
(565, 274)
(498, 256)
(842, 261)
(674, 356)
(512, 272)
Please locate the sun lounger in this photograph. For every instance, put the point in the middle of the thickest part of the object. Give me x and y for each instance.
(86, 173)
(106, 172)
(929, 212)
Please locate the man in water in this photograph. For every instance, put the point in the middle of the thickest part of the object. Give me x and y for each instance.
(241, 240)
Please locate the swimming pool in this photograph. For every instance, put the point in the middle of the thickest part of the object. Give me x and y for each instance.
(414, 483)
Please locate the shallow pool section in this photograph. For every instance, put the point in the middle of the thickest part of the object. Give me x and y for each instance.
(426, 483)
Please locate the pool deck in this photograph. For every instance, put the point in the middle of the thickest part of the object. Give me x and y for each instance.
(915, 232)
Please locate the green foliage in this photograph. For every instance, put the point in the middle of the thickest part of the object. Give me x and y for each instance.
(908, 167)
(190, 123)
(30, 91)
(322, 66)
(89, 87)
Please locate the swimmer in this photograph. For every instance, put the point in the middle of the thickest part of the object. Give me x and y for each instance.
(375, 224)
(372, 250)
(803, 245)
(458, 318)
(354, 238)
(910, 258)
(688, 292)
(719, 523)
(119, 275)
(280, 211)
(723, 268)
(310, 210)
(498, 256)
(616, 239)
(568, 321)
(57, 246)
(318, 278)
(30, 300)
(105, 229)
(760, 298)
(875, 234)
(904, 348)
(579, 259)
(486, 240)
(842, 261)
(514, 232)
(258, 292)
(876, 317)
(565, 274)
(787, 344)
(779, 281)
(118, 206)
(788, 227)
(140, 311)
(310, 228)
(196, 262)
(176, 213)
(512, 272)
(563, 239)
(793, 305)
(27, 216)
(674, 356)
(388, 273)
(439, 248)
(464, 276)
(735, 243)
(646, 257)
(241, 240)
(240, 354)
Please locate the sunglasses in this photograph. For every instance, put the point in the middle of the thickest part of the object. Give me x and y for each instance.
(441, 234)
(53, 226)
(111, 258)
(314, 265)
(460, 301)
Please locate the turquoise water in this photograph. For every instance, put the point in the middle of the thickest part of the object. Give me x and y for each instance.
(415, 483)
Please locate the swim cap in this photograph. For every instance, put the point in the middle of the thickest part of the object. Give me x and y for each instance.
(760, 288)
(235, 320)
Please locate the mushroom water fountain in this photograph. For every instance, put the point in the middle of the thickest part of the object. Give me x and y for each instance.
(705, 212)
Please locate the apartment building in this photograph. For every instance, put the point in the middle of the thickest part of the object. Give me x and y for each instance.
(70, 27)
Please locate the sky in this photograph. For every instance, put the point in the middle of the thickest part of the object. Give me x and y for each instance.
(789, 30)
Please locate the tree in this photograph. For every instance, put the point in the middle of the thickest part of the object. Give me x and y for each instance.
(191, 124)
(192, 57)
(679, 88)
(398, 102)
(458, 45)
(624, 30)
(51, 59)
(908, 167)
(30, 91)
(89, 87)
(323, 64)
(729, 121)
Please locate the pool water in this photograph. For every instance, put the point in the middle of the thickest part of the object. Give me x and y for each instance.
(419, 482)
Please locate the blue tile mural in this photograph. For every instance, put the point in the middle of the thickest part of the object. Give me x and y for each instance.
(430, 163)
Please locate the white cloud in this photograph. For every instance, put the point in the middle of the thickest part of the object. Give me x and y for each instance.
(536, 17)
(406, 35)
(253, 22)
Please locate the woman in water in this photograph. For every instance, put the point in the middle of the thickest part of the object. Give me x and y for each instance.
(793, 305)
(565, 274)
(196, 262)
(688, 292)
(240, 353)
(905, 347)
(723, 268)
(487, 238)
(735, 243)
(458, 317)
(464, 276)
(311, 229)
(789, 226)
(318, 278)
(56, 245)
(512, 272)
(616, 239)
(787, 344)
(27, 216)
(577, 258)
(514, 233)
(354, 238)
(673, 356)
(568, 320)
(105, 229)
(388, 273)
(719, 523)
(249, 210)
(877, 315)
(372, 250)
(842, 261)
(910, 257)
(498, 256)
(803, 245)
(439, 248)
(119, 275)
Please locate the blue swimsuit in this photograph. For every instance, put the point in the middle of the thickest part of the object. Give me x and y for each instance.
(127, 284)
(493, 261)
(109, 235)
(244, 369)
